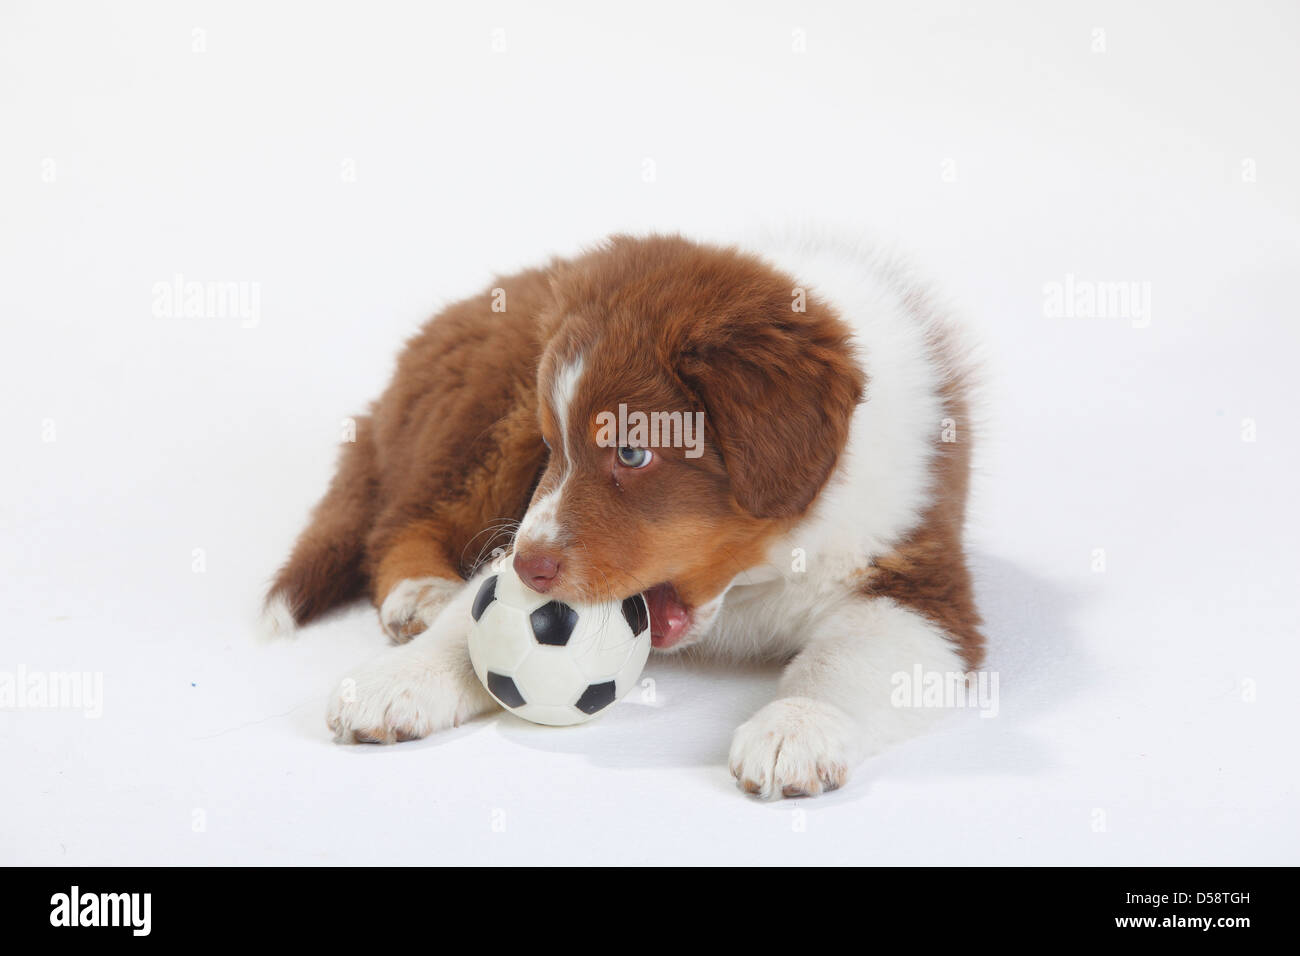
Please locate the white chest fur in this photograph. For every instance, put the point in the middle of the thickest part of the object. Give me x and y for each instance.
(883, 481)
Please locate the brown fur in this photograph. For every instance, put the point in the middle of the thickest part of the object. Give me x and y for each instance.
(928, 570)
(449, 452)
(453, 451)
(665, 325)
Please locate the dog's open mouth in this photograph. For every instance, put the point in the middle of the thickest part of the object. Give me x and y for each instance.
(670, 618)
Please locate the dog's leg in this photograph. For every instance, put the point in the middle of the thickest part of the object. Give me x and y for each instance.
(413, 581)
(836, 703)
(411, 691)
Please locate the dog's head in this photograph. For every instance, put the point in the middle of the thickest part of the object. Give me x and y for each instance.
(695, 403)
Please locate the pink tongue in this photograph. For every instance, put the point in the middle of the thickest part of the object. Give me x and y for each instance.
(668, 616)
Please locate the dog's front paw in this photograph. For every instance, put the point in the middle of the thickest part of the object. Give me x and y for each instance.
(793, 747)
(403, 696)
(411, 606)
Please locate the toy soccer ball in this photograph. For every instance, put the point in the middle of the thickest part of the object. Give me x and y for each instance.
(555, 663)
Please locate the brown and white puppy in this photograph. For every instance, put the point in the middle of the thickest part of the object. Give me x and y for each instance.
(817, 520)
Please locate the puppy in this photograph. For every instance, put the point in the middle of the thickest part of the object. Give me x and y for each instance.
(816, 521)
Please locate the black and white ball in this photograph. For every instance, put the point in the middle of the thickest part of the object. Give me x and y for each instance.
(555, 663)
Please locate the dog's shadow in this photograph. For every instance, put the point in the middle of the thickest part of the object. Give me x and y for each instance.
(685, 714)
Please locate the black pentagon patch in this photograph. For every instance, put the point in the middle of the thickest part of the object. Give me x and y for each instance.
(636, 613)
(486, 595)
(596, 697)
(504, 689)
(553, 623)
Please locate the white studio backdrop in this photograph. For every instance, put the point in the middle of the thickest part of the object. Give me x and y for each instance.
(350, 167)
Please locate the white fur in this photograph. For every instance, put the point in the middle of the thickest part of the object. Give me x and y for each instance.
(276, 621)
(416, 689)
(793, 747)
(540, 524)
(412, 605)
(835, 707)
(883, 480)
(563, 389)
(835, 704)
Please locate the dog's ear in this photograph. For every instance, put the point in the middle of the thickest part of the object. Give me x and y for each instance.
(778, 392)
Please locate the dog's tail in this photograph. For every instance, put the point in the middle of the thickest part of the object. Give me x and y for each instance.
(326, 567)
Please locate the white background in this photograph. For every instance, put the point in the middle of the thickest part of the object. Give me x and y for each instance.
(1146, 711)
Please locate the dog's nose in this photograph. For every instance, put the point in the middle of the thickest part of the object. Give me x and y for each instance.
(537, 570)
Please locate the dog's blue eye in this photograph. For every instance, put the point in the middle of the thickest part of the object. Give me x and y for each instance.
(634, 457)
